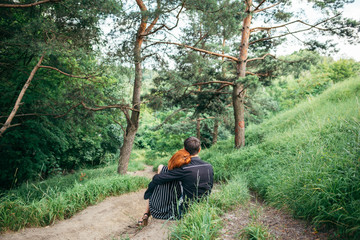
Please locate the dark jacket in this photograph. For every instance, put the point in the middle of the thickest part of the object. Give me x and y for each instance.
(195, 177)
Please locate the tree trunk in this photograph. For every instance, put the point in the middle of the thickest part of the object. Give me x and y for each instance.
(238, 90)
(133, 121)
(216, 130)
(125, 149)
(21, 95)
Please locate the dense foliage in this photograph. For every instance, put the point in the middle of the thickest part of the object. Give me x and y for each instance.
(48, 138)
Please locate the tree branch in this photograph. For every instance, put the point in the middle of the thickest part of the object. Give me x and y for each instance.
(122, 128)
(28, 114)
(258, 74)
(202, 50)
(263, 9)
(223, 86)
(205, 83)
(147, 32)
(284, 25)
(200, 119)
(99, 108)
(26, 5)
(259, 5)
(209, 91)
(123, 108)
(14, 125)
(21, 95)
(204, 36)
(302, 30)
(142, 27)
(64, 73)
(69, 110)
(260, 58)
(154, 21)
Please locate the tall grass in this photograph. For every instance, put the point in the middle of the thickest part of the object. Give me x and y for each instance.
(306, 159)
(51, 187)
(17, 213)
(60, 197)
(203, 219)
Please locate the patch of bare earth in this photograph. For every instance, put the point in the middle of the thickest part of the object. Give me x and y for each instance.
(113, 218)
(279, 224)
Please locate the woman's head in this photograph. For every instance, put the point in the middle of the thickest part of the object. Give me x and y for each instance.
(180, 158)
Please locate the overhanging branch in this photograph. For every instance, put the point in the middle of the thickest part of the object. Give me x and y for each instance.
(26, 5)
(288, 33)
(64, 73)
(202, 50)
(8, 121)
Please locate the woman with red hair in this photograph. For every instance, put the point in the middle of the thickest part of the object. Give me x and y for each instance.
(165, 199)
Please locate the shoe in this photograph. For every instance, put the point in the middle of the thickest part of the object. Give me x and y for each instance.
(144, 220)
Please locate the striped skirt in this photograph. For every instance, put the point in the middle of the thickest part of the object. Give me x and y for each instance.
(166, 199)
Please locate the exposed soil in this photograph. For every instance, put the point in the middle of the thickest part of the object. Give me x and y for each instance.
(278, 224)
(116, 218)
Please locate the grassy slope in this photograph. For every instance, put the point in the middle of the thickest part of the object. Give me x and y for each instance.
(305, 159)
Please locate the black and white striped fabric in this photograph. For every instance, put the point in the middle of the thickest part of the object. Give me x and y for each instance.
(165, 199)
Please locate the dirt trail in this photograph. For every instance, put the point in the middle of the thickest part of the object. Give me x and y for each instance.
(116, 218)
(277, 223)
(113, 218)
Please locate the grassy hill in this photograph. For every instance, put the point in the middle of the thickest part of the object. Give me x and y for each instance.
(306, 160)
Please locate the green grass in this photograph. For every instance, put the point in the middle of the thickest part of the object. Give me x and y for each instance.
(306, 159)
(60, 197)
(203, 219)
(256, 231)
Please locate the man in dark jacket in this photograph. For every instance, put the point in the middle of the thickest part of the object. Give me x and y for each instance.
(195, 179)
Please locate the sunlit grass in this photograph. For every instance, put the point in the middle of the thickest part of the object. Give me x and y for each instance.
(306, 159)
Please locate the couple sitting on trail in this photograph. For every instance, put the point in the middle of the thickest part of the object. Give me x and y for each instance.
(186, 178)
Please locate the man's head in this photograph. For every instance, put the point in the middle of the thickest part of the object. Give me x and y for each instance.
(192, 145)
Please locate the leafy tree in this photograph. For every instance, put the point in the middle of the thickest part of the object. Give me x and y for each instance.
(332, 23)
(48, 45)
(148, 20)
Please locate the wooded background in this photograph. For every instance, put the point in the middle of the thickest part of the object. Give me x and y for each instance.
(73, 96)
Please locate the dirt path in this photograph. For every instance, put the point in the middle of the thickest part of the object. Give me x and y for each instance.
(278, 224)
(113, 218)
